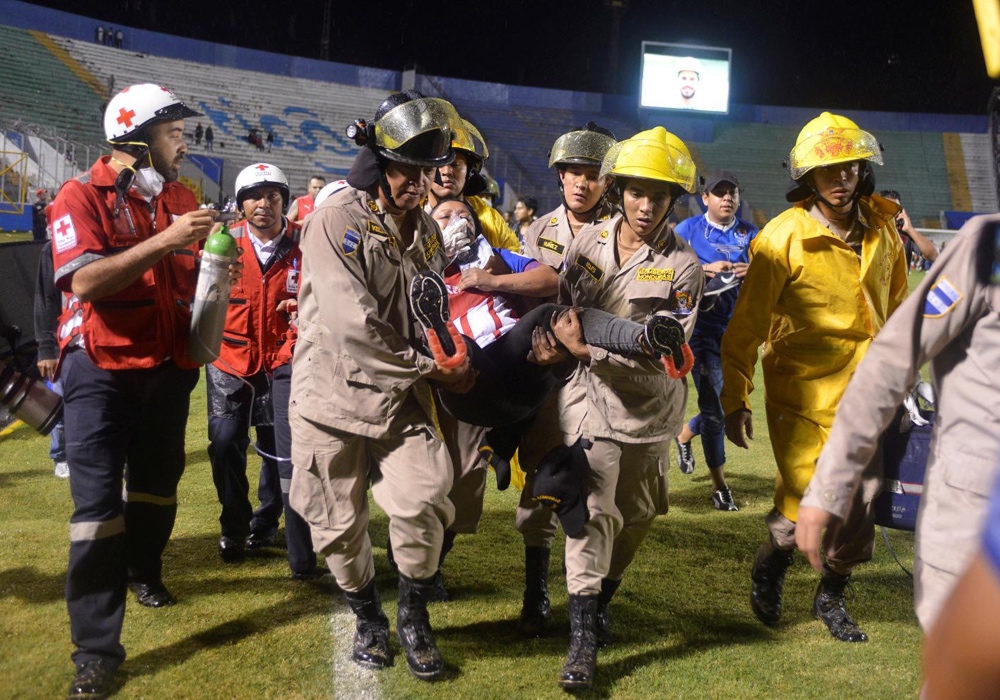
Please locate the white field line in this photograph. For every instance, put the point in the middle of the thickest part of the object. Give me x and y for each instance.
(350, 681)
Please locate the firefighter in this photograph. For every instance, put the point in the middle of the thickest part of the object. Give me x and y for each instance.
(823, 278)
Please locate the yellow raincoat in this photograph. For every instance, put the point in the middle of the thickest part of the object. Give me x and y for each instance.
(816, 306)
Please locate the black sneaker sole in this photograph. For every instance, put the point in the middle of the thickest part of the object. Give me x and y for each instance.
(666, 336)
(429, 299)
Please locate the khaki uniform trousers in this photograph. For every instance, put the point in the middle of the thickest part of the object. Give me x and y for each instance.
(852, 542)
(410, 474)
(627, 490)
(470, 472)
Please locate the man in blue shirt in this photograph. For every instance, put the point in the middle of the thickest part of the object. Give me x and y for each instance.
(721, 241)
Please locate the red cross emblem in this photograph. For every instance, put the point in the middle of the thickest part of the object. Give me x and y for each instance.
(262, 167)
(63, 227)
(125, 117)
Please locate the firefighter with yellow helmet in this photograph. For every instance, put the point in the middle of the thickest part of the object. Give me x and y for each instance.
(464, 178)
(632, 266)
(823, 278)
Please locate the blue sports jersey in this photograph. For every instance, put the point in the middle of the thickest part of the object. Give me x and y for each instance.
(712, 243)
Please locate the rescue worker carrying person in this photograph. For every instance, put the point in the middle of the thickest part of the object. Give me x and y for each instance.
(462, 179)
(361, 408)
(125, 244)
(823, 278)
(632, 266)
(238, 384)
(577, 156)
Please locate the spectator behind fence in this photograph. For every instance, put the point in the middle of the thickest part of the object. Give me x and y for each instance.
(39, 224)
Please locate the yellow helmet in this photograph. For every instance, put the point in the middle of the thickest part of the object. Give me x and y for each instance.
(829, 139)
(655, 154)
(468, 140)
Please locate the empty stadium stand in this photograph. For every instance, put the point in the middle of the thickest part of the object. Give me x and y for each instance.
(56, 78)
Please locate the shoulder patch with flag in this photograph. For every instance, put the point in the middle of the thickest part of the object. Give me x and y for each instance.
(351, 240)
(941, 299)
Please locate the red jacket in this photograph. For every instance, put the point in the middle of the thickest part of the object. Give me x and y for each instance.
(255, 330)
(148, 322)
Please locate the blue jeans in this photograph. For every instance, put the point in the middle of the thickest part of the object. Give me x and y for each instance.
(57, 442)
(710, 422)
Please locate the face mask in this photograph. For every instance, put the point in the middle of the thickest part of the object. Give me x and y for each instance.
(148, 182)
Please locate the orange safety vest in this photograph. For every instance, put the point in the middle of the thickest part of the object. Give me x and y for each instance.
(255, 330)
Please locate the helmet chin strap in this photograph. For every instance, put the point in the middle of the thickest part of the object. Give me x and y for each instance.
(854, 197)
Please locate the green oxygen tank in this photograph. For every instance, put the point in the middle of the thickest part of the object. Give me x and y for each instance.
(211, 298)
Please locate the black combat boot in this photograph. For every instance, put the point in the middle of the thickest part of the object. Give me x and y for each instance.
(413, 628)
(536, 610)
(371, 636)
(581, 662)
(829, 607)
(609, 587)
(768, 577)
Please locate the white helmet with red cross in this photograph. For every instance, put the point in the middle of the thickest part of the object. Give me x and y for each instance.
(261, 175)
(138, 106)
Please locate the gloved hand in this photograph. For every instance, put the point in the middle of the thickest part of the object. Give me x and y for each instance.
(458, 237)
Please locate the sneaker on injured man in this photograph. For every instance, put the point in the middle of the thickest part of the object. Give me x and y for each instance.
(62, 470)
(665, 334)
(429, 298)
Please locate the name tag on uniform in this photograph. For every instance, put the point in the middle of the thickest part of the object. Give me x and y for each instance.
(292, 282)
(653, 274)
(431, 246)
(549, 244)
(590, 268)
(376, 229)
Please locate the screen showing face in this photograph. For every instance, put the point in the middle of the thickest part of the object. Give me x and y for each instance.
(681, 77)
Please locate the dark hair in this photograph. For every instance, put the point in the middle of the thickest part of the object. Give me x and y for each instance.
(321, 178)
(529, 203)
(891, 194)
(476, 223)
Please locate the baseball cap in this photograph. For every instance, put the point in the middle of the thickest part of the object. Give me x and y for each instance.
(720, 176)
(38, 192)
(560, 484)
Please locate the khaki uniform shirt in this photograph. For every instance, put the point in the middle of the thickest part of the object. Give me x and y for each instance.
(356, 366)
(952, 320)
(631, 399)
(547, 238)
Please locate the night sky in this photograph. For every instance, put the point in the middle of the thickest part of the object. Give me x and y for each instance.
(890, 56)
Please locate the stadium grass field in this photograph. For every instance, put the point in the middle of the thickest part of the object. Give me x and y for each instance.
(682, 621)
